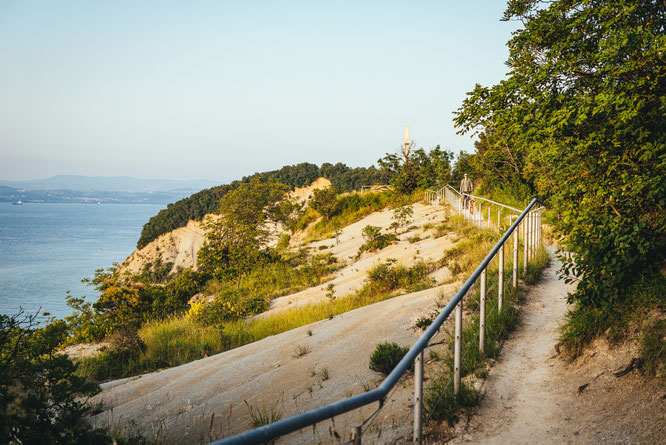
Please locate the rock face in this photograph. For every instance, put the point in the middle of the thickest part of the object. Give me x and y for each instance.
(181, 246)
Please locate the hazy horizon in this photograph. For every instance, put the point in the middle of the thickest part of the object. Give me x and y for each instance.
(219, 90)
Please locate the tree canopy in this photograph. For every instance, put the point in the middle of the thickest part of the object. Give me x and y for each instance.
(581, 119)
(195, 207)
(418, 169)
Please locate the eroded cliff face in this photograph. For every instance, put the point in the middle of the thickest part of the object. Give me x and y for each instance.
(181, 246)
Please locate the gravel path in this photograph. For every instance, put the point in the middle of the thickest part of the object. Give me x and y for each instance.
(510, 412)
(534, 395)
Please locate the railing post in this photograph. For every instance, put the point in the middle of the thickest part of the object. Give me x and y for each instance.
(457, 348)
(418, 397)
(516, 236)
(540, 228)
(526, 243)
(478, 214)
(499, 218)
(356, 433)
(488, 222)
(482, 313)
(500, 278)
(533, 230)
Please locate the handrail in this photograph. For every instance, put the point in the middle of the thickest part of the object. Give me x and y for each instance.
(478, 198)
(300, 421)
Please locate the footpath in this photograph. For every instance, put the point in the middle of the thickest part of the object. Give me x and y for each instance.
(535, 395)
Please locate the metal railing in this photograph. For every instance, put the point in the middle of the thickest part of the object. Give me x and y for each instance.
(530, 222)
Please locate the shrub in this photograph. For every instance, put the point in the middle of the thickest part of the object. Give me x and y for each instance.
(389, 276)
(374, 240)
(386, 357)
(42, 400)
(403, 215)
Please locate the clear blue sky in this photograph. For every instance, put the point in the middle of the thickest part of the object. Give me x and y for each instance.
(221, 89)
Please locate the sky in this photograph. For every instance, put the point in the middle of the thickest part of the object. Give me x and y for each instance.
(223, 89)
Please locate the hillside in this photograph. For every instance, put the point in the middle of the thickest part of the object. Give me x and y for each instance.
(168, 404)
(180, 246)
(195, 207)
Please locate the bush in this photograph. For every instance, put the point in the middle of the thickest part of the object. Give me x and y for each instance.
(386, 357)
(42, 400)
(389, 276)
(374, 240)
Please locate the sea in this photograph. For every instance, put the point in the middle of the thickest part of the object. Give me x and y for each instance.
(47, 249)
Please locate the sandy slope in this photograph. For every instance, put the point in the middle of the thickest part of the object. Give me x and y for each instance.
(345, 247)
(204, 400)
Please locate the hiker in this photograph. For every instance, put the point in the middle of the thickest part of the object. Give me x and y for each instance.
(466, 188)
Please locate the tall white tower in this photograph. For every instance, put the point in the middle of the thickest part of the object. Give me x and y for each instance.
(406, 144)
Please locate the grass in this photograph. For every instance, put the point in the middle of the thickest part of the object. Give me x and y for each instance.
(180, 339)
(443, 404)
(300, 351)
(293, 273)
(164, 343)
(641, 310)
(263, 416)
(352, 207)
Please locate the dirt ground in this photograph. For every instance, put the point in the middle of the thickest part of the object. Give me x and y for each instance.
(535, 395)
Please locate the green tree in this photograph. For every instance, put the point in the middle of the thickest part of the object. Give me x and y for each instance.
(235, 242)
(583, 110)
(418, 170)
(42, 400)
(324, 201)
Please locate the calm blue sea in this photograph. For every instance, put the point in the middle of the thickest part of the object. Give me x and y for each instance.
(47, 249)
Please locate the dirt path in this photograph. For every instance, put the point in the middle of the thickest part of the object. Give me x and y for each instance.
(533, 395)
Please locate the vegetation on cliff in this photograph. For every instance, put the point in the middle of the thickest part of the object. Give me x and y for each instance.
(581, 121)
(195, 207)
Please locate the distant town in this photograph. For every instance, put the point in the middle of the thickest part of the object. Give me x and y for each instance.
(99, 190)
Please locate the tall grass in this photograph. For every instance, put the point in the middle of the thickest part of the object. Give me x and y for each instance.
(161, 343)
(293, 273)
(181, 339)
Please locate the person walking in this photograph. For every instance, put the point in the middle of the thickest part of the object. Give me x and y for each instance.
(466, 187)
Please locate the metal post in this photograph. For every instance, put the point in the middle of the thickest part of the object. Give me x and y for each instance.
(356, 433)
(479, 214)
(500, 278)
(540, 228)
(457, 349)
(499, 218)
(530, 224)
(516, 235)
(526, 244)
(418, 398)
(488, 222)
(532, 229)
(482, 313)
